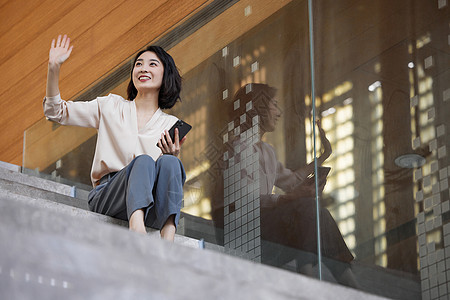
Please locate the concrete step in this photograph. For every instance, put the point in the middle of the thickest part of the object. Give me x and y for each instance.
(36, 187)
(30, 185)
(42, 183)
(58, 203)
(11, 167)
(65, 253)
(58, 200)
(15, 187)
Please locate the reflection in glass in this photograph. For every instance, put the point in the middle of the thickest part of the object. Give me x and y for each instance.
(287, 221)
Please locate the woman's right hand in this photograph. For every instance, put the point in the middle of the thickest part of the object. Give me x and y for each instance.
(59, 51)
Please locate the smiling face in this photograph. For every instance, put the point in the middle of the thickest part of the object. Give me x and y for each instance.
(148, 72)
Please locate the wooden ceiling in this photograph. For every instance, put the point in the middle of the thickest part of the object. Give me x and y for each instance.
(350, 35)
(104, 34)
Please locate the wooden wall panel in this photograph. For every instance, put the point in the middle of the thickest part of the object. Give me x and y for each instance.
(16, 38)
(21, 8)
(105, 33)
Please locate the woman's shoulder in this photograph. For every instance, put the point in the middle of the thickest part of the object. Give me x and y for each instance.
(112, 98)
(265, 147)
(167, 117)
(114, 102)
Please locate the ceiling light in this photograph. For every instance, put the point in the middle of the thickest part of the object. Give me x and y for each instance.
(410, 161)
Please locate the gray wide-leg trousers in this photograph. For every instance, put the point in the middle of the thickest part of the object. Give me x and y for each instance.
(155, 187)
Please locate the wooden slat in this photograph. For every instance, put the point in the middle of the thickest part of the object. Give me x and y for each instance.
(19, 36)
(11, 12)
(17, 160)
(75, 23)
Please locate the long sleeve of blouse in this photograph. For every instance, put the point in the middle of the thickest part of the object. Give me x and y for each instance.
(274, 173)
(119, 141)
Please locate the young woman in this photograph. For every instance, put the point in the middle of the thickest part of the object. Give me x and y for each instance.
(136, 173)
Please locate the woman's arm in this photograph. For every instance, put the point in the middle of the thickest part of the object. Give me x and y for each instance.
(326, 145)
(59, 52)
(304, 171)
(85, 114)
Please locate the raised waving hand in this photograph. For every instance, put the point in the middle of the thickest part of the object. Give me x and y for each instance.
(60, 50)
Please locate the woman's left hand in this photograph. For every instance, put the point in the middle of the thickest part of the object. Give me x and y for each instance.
(168, 146)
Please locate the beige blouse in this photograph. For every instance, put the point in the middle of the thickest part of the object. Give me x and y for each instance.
(119, 140)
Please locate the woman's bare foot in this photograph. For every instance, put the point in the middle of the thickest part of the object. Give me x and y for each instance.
(136, 222)
(169, 229)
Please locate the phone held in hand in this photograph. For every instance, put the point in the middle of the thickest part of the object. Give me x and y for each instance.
(323, 173)
(183, 129)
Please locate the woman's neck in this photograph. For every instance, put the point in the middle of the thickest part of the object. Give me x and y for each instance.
(147, 102)
(261, 133)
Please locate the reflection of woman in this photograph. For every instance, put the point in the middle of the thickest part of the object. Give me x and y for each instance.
(132, 179)
(289, 219)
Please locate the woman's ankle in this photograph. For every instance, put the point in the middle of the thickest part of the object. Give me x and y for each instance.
(136, 222)
(169, 229)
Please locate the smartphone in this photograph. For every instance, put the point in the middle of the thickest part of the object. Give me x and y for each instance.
(183, 129)
(323, 173)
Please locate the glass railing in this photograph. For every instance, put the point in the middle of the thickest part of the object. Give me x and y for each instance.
(59, 153)
(379, 99)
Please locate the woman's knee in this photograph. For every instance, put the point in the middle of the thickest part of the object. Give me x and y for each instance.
(142, 162)
(170, 164)
(144, 159)
(168, 158)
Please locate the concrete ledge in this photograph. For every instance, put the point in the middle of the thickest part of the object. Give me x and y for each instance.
(37, 182)
(48, 255)
(60, 207)
(77, 207)
(11, 167)
(14, 187)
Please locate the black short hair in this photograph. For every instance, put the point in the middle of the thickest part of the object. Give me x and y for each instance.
(170, 90)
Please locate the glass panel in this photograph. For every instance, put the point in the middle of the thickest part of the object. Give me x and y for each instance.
(244, 93)
(59, 153)
(382, 86)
